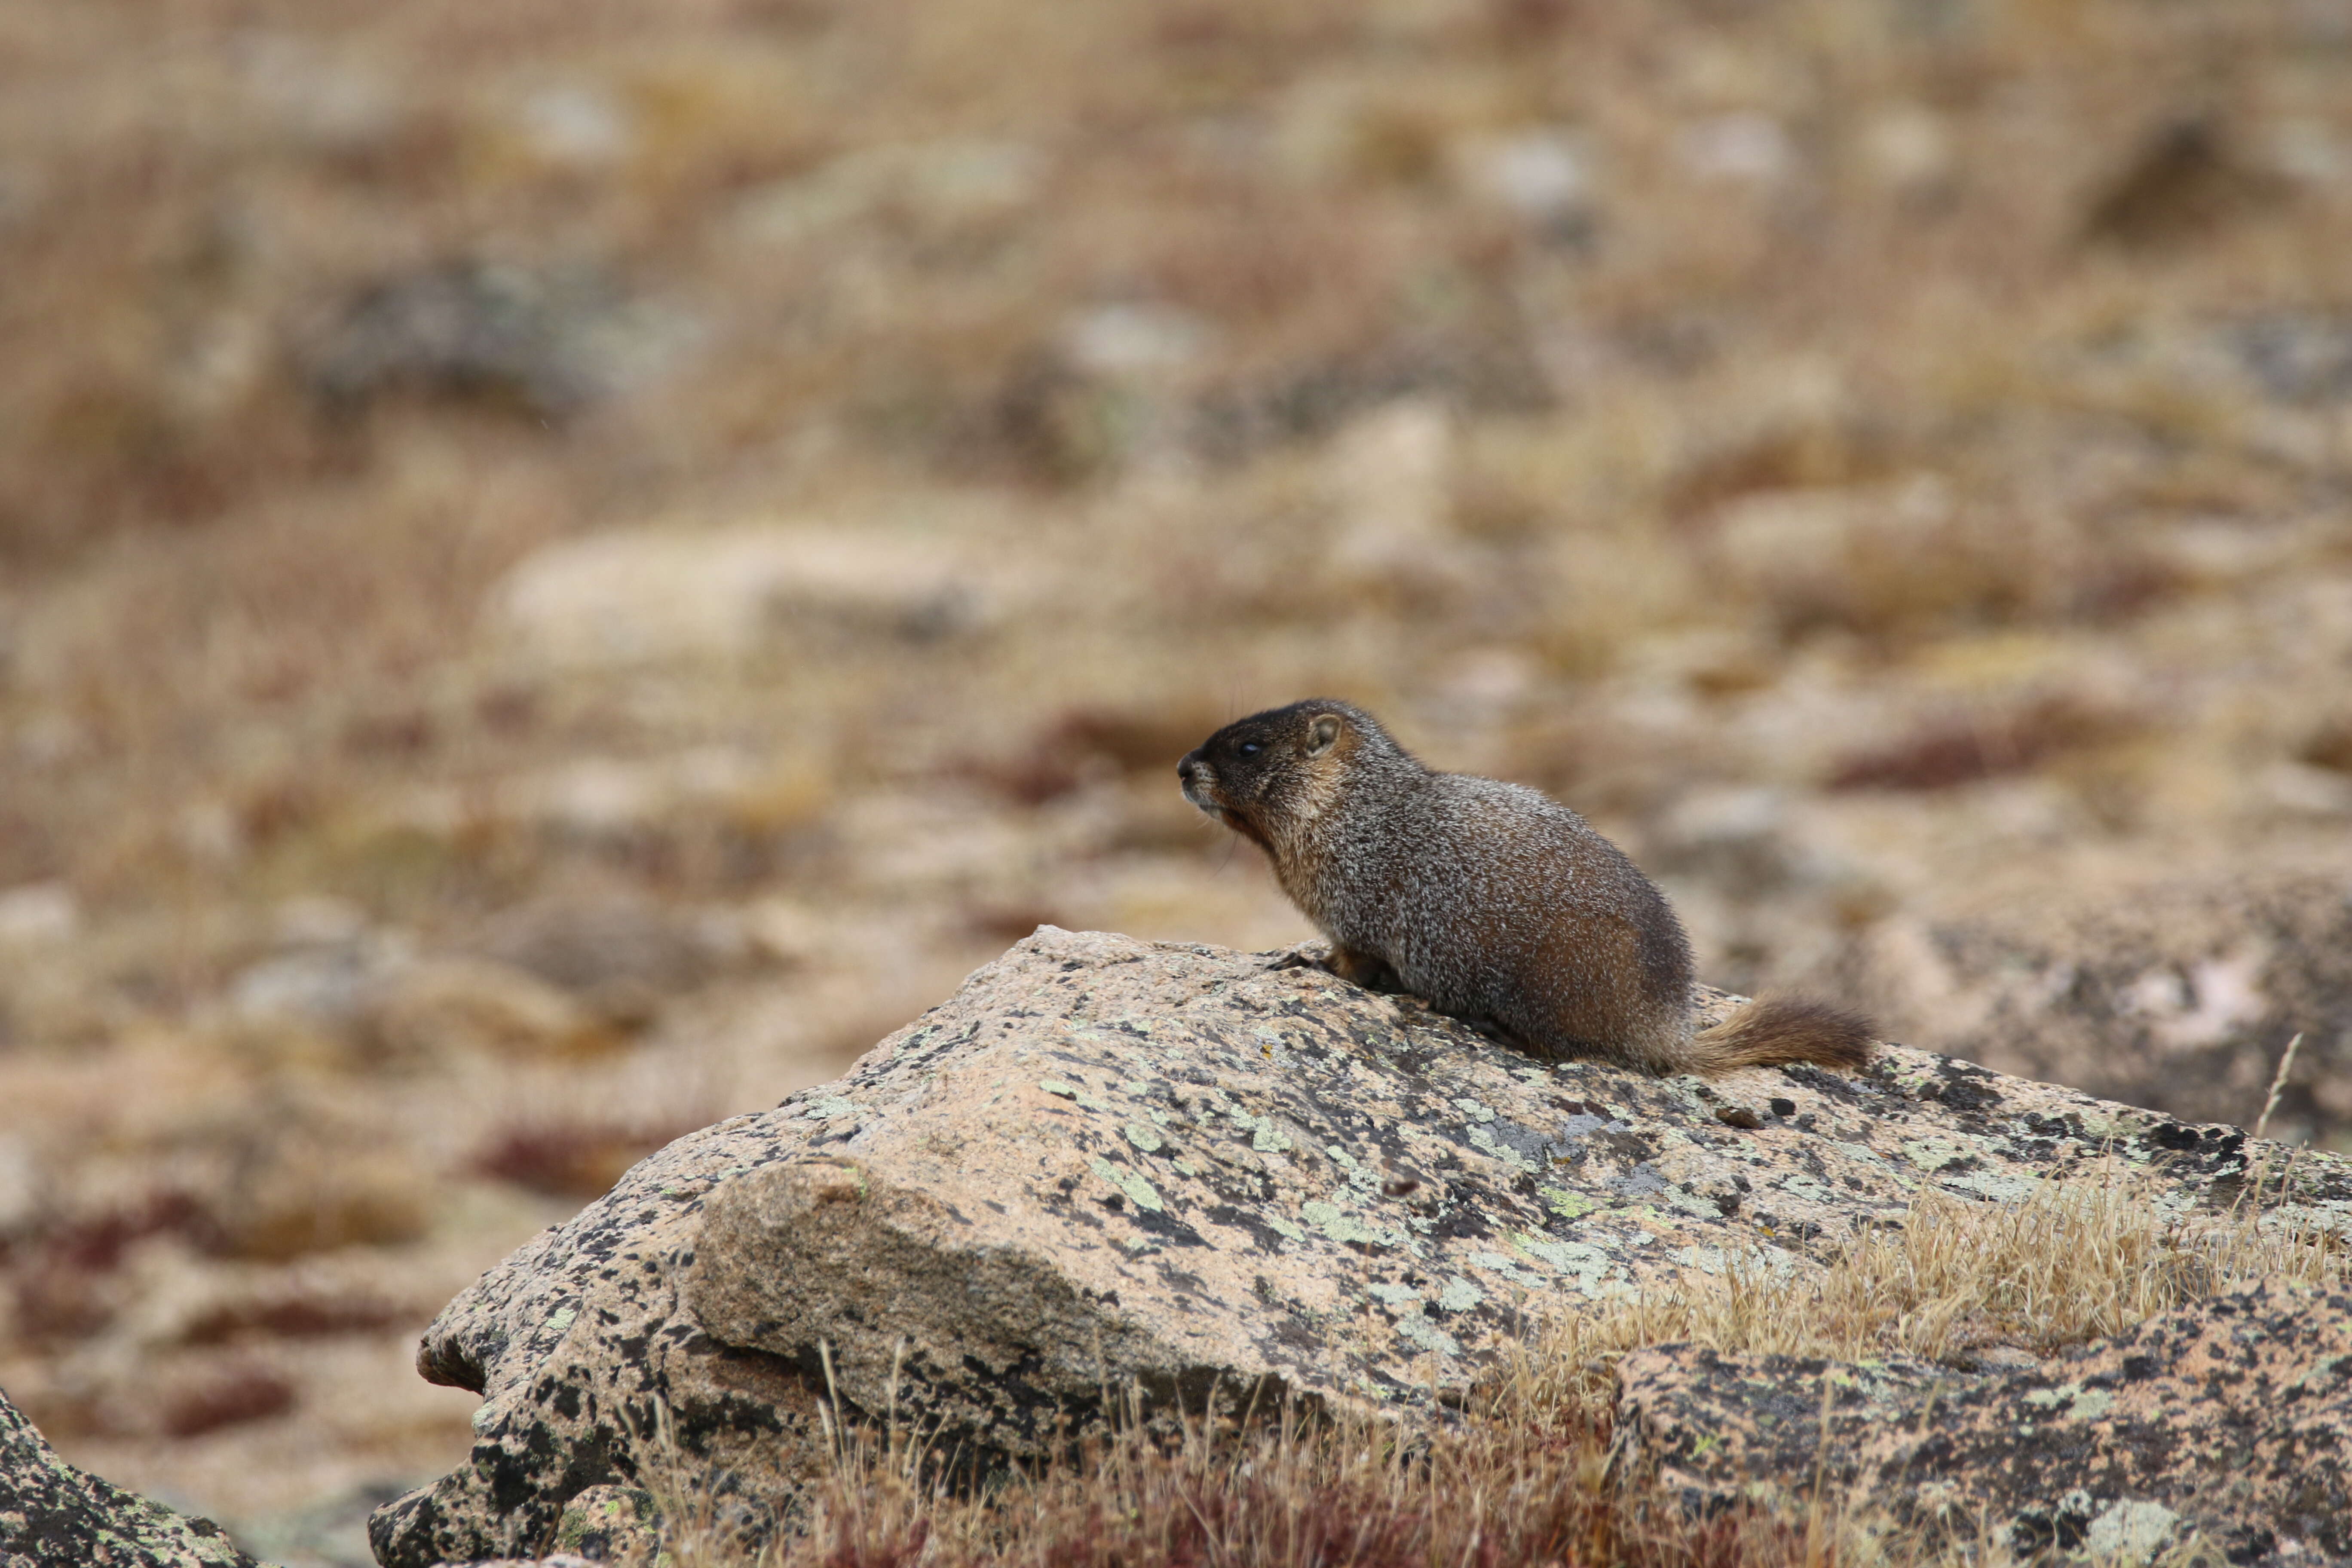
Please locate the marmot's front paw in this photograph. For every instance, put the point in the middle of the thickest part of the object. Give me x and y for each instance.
(1311, 955)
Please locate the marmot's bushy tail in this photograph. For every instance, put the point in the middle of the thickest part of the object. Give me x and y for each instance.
(1784, 1029)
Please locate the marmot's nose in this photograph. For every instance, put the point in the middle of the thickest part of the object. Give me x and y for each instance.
(1187, 767)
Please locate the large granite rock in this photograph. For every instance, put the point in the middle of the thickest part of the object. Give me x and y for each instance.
(2178, 991)
(1209, 1174)
(2231, 1419)
(53, 1515)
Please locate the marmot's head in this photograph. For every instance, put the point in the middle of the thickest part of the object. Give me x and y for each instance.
(1272, 774)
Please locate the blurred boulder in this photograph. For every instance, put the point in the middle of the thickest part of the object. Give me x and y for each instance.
(317, 100)
(1104, 392)
(2178, 992)
(1744, 148)
(550, 979)
(543, 343)
(654, 593)
(326, 986)
(1131, 339)
(1907, 147)
(1543, 175)
(619, 955)
(53, 1515)
(38, 914)
(330, 1532)
(186, 1299)
(295, 1179)
(577, 125)
(1485, 363)
(457, 1005)
(1391, 473)
(1735, 838)
(2297, 356)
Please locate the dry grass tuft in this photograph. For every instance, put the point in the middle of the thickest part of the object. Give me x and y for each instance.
(1950, 1281)
(1494, 1492)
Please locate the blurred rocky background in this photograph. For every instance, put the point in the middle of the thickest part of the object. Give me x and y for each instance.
(565, 567)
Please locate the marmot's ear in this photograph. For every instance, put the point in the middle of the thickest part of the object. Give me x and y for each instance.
(1322, 732)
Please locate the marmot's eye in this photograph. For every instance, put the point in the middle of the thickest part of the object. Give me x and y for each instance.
(1249, 748)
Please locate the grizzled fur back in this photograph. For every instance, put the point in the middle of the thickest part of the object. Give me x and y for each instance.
(1498, 903)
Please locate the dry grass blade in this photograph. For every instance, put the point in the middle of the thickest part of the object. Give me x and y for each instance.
(2278, 1085)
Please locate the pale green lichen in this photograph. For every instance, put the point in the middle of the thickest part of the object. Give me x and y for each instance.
(2130, 1531)
(1565, 1204)
(1705, 1259)
(2090, 1404)
(1488, 1143)
(1428, 1335)
(1568, 1256)
(2011, 1187)
(1509, 1268)
(1145, 1138)
(2081, 1404)
(1691, 1203)
(1139, 1192)
(1933, 1154)
(1340, 1225)
(1460, 1296)
(1812, 1189)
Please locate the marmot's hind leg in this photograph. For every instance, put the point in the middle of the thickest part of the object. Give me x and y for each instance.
(1362, 969)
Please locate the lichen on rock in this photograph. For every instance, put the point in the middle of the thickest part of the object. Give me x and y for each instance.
(1207, 1176)
(54, 1515)
(2230, 1419)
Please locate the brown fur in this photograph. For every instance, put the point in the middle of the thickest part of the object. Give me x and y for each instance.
(1490, 900)
(1778, 1029)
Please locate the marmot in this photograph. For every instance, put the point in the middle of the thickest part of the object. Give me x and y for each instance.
(1489, 901)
